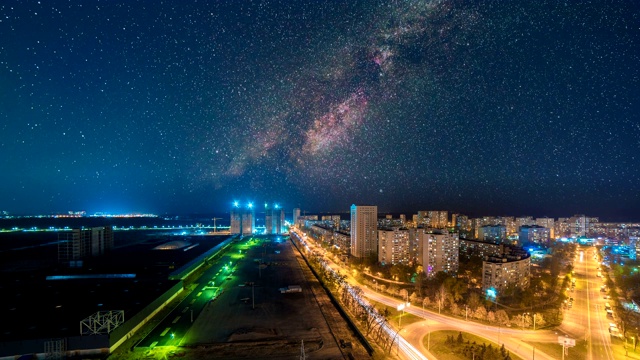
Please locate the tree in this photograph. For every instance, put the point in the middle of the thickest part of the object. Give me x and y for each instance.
(502, 318)
(414, 298)
(491, 317)
(480, 313)
(441, 297)
(404, 294)
(426, 301)
(455, 288)
(470, 269)
(421, 279)
(401, 272)
(455, 310)
(539, 320)
(385, 312)
(473, 301)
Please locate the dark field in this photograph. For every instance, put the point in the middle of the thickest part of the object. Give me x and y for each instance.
(33, 307)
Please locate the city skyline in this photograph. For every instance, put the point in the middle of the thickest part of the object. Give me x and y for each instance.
(520, 109)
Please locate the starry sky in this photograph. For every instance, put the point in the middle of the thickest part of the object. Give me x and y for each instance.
(479, 107)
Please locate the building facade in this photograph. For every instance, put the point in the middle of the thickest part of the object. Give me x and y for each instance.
(84, 243)
(499, 272)
(394, 246)
(549, 223)
(364, 231)
(497, 233)
(274, 219)
(534, 234)
(438, 251)
(296, 215)
(243, 220)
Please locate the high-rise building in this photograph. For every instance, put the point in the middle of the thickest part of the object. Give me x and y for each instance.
(243, 219)
(403, 219)
(524, 220)
(83, 243)
(495, 233)
(438, 219)
(533, 234)
(422, 218)
(438, 251)
(477, 223)
(433, 219)
(509, 222)
(274, 219)
(236, 219)
(364, 231)
(394, 246)
(463, 226)
(581, 225)
(548, 223)
(248, 220)
(296, 215)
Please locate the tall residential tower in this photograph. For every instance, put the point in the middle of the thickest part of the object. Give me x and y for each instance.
(364, 231)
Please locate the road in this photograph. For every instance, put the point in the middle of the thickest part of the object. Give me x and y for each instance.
(171, 330)
(511, 338)
(588, 318)
(415, 333)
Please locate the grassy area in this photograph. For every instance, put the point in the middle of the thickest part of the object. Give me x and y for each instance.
(578, 352)
(443, 350)
(395, 315)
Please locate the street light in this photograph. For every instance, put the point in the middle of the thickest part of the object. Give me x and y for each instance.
(523, 314)
(401, 307)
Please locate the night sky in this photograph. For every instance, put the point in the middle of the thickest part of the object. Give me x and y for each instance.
(492, 107)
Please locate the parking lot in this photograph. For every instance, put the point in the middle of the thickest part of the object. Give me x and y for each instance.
(253, 317)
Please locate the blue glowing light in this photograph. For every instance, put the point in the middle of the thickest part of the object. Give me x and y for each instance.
(491, 292)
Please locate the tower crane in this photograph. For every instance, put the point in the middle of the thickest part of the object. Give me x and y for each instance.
(214, 223)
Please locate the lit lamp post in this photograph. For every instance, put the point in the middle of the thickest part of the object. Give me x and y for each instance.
(523, 314)
(401, 307)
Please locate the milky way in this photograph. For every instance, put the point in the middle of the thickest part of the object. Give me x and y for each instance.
(485, 108)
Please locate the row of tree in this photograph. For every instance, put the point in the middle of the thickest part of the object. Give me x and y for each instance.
(374, 322)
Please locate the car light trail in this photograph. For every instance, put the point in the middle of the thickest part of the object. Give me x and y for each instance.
(408, 350)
